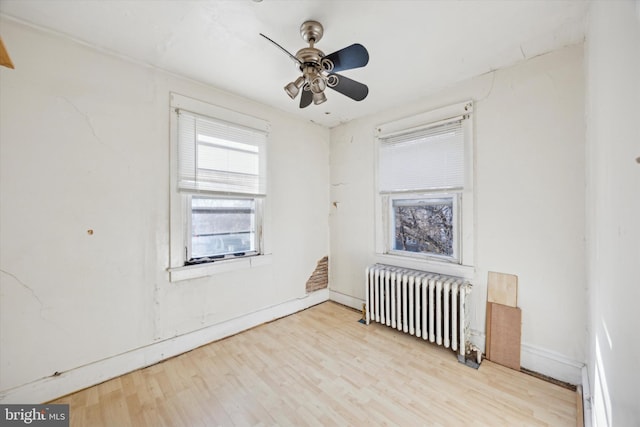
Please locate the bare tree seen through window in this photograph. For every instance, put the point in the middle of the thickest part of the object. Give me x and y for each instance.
(424, 226)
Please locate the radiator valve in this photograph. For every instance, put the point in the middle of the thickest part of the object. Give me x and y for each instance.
(469, 359)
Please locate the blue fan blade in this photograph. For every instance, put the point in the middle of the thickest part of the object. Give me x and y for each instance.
(354, 56)
(305, 97)
(351, 88)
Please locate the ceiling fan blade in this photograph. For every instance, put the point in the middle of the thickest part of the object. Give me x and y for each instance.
(351, 88)
(354, 56)
(305, 97)
(283, 49)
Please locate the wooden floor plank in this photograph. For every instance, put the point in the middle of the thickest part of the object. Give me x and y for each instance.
(322, 367)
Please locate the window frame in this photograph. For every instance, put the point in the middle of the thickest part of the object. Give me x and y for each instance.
(384, 227)
(180, 200)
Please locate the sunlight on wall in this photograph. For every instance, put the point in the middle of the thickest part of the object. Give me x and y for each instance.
(601, 400)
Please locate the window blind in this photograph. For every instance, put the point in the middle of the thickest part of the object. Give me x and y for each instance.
(218, 157)
(424, 159)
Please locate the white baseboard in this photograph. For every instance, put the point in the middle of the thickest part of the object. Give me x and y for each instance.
(540, 360)
(586, 397)
(46, 389)
(534, 358)
(347, 300)
(551, 364)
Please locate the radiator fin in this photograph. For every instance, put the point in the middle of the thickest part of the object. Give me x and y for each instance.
(427, 305)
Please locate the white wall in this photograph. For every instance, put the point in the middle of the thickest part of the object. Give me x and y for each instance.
(84, 144)
(613, 207)
(529, 199)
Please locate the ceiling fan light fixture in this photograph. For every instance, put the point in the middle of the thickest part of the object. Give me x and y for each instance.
(293, 88)
(318, 85)
(319, 98)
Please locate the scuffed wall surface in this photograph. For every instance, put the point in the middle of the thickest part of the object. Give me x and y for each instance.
(84, 145)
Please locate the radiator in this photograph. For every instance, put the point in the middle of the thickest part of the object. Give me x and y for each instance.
(427, 305)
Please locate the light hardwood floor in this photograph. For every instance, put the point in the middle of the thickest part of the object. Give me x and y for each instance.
(321, 367)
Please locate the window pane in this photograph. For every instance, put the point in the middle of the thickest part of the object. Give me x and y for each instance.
(220, 158)
(424, 226)
(222, 226)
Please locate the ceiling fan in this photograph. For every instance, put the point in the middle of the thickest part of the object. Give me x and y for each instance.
(319, 70)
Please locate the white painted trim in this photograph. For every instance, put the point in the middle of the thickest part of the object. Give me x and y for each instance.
(431, 265)
(204, 108)
(540, 360)
(551, 364)
(586, 398)
(425, 120)
(202, 270)
(347, 300)
(50, 388)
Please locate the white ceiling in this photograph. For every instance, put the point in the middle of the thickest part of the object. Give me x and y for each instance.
(415, 47)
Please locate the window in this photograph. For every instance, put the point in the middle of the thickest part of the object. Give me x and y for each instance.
(424, 180)
(425, 225)
(219, 182)
(221, 228)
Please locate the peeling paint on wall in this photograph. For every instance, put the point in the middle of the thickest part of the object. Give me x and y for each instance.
(319, 279)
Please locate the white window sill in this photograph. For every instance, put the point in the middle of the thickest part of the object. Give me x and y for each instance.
(434, 266)
(187, 272)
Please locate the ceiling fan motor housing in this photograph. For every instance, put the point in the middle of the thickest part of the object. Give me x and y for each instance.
(311, 31)
(310, 55)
